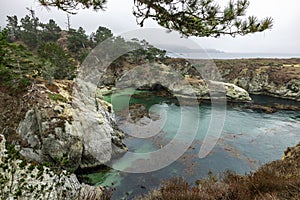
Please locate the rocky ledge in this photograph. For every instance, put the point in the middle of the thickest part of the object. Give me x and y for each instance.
(158, 76)
(281, 81)
(273, 77)
(69, 130)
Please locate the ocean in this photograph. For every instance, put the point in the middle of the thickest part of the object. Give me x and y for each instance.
(223, 55)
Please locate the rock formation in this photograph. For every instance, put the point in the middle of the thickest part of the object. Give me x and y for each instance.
(282, 81)
(272, 77)
(81, 132)
(292, 153)
(151, 76)
(24, 180)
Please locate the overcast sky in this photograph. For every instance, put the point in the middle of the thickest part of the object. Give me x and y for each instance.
(284, 37)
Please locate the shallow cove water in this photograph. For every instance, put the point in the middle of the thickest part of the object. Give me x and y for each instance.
(248, 140)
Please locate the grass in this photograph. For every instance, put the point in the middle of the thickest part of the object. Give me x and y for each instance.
(57, 97)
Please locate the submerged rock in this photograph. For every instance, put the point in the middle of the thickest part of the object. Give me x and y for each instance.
(262, 108)
(271, 108)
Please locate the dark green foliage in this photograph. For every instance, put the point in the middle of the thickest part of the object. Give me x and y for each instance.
(148, 52)
(202, 18)
(72, 5)
(60, 64)
(13, 28)
(79, 44)
(101, 34)
(77, 40)
(58, 60)
(50, 31)
(30, 33)
(144, 52)
(17, 65)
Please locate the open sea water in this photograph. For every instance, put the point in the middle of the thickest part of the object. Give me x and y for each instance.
(221, 55)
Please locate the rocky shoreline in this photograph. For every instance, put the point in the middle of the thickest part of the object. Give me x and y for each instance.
(272, 77)
(51, 124)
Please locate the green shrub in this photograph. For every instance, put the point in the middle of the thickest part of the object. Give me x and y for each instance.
(18, 66)
(57, 97)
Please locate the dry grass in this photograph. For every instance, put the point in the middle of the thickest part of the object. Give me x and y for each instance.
(279, 180)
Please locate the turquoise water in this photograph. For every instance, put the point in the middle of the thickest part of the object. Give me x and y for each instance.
(248, 140)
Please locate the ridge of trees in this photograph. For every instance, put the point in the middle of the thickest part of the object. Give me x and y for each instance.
(30, 48)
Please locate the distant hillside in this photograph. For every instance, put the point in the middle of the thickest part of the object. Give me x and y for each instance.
(170, 48)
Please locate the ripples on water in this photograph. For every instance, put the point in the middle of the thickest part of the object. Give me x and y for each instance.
(248, 140)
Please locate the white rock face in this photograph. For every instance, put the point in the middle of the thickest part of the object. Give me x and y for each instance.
(94, 124)
(236, 93)
(2, 147)
(84, 131)
(50, 141)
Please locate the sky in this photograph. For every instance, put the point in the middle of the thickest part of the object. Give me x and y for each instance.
(284, 37)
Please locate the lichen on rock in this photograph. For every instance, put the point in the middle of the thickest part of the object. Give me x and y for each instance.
(24, 180)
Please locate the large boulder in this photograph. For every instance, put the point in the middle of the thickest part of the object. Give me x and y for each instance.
(81, 132)
(49, 140)
(94, 123)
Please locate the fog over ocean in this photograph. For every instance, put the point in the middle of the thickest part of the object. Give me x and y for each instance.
(224, 55)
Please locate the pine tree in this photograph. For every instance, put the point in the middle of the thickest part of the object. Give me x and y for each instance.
(13, 28)
(50, 32)
(77, 40)
(202, 18)
(58, 63)
(17, 65)
(101, 34)
(29, 32)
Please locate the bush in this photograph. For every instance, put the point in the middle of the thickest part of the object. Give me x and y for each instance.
(265, 184)
(58, 63)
